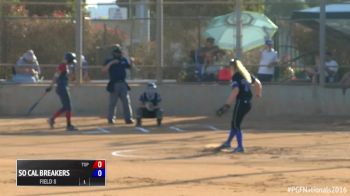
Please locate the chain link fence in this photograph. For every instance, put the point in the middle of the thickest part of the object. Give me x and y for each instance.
(48, 28)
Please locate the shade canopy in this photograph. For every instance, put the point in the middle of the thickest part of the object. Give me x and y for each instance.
(256, 28)
(333, 11)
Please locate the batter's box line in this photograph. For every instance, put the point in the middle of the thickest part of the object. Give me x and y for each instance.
(177, 129)
(98, 130)
(143, 130)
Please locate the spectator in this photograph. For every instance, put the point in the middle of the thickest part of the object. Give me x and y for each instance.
(85, 66)
(331, 68)
(268, 61)
(149, 105)
(72, 68)
(345, 82)
(27, 68)
(206, 56)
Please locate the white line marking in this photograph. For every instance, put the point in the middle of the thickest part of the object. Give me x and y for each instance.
(90, 132)
(102, 130)
(176, 129)
(212, 128)
(186, 125)
(120, 153)
(142, 129)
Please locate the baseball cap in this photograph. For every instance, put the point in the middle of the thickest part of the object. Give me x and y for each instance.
(268, 42)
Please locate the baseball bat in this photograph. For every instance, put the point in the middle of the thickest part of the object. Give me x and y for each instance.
(35, 104)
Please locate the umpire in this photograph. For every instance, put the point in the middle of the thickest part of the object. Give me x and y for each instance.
(117, 86)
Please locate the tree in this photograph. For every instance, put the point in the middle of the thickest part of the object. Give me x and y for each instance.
(49, 8)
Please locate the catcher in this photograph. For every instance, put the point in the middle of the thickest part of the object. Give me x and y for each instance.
(149, 105)
(241, 95)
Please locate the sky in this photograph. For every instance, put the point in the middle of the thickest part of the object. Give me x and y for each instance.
(100, 12)
(99, 1)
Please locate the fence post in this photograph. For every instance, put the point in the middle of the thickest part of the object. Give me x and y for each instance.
(238, 24)
(160, 41)
(79, 42)
(322, 41)
(1, 29)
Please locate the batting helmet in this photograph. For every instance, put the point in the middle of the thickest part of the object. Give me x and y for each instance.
(70, 57)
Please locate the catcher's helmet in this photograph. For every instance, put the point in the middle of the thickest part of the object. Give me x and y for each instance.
(151, 85)
(70, 57)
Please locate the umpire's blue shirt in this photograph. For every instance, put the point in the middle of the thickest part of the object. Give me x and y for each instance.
(117, 71)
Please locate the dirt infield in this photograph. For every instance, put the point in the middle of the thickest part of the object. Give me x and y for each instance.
(173, 160)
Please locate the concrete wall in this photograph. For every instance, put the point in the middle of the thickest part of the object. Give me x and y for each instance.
(181, 99)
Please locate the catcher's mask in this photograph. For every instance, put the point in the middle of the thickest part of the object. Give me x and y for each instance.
(151, 85)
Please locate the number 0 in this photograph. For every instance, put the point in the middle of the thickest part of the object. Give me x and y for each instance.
(99, 172)
(99, 164)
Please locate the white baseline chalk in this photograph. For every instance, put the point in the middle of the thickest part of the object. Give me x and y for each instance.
(176, 129)
(102, 130)
(142, 129)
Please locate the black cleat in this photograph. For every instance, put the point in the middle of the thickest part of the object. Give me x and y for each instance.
(138, 122)
(111, 122)
(71, 128)
(238, 150)
(51, 123)
(159, 122)
(223, 146)
(129, 121)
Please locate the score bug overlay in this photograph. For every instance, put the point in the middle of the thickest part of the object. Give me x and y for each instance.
(61, 172)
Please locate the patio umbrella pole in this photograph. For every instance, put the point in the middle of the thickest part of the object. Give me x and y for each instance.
(238, 48)
(322, 40)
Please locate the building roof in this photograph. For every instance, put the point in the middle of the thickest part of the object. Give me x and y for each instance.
(333, 11)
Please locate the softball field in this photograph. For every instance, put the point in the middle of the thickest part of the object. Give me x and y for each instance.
(283, 156)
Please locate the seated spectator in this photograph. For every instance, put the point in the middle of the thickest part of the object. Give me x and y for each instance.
(331, 68)
(149, 105)
(27, 68)
(206, 56)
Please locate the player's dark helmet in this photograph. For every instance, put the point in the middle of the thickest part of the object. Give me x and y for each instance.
(151, 85)
(116, 49)
(70, 57)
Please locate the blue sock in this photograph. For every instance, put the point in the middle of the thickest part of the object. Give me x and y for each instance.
(232, 134)
(239, 139)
